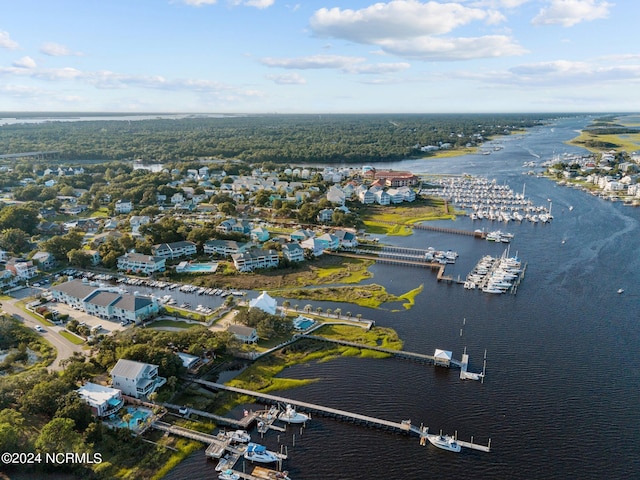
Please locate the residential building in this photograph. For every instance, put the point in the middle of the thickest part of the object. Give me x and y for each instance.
(139, 263)
(243, 333)
(392, 178)
(105, 302)
(316, 247)
(123, 206)
(366, 197)
(21, 268)
(136, 379)
(259, 234)
(95, 256)
(329, 241)
(103, 401)
(301, 235)
(44, 260)
(336, 195)
(264, 302)
(174, 250)
(382, 197)
(395, 195)
(408, 195)
(136, 221)
(293, 252)
(347, 239)
(325, 215)
(256, 259)
(224, 247)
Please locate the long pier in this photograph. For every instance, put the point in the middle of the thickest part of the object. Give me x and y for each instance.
(243, 423)
(432, 228)
(402, 427)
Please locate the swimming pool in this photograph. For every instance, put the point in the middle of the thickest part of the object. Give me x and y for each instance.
(200, 268)
(138, 417)
(303, 323)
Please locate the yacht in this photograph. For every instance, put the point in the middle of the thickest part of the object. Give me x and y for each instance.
(445, 442)
(224, 463)
(291, 416)
(259, 453)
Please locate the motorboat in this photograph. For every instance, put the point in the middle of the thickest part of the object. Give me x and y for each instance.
(291, 416)
(445, 442)
(228, 475)
(223, 464)
(620, 290)
(259, 453)
(238, 436)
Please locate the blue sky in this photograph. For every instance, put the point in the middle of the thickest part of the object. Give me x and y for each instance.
(257, 56)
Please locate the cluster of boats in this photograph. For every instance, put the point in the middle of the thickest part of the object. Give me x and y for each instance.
(495, 274)
(486, 199)
(499, 236)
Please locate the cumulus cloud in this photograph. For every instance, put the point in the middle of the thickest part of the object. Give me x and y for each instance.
(6, 42)
(416, 29)
(25, 62)
(571, 12)
(56, 50)
(288, 79)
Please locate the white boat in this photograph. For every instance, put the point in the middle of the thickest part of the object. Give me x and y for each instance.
(291, 416)
(620, 290)
(223, 464)
(259, 453)
(238, 436)
(228, 475)
(445, 442)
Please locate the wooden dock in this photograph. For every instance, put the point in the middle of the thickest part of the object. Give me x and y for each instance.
(216, 445)
(402, 427)
(243, 423)
(432, 228)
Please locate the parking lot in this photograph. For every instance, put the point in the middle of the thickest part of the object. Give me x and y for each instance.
(108, 326)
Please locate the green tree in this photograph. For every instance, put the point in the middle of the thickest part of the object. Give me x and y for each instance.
(59, 436)
(73, 407)
(60, 246)
(14, 240)
(79, 258)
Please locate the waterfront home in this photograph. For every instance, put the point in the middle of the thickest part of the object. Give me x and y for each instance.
(243, 333)
(346, 238)
(104, 302)
(139, 263)
(256, 259)
(316, 247)
(408, 195)
(190, 362)
(366, 197)
(224, 247)
(293, 252)
(329, 241)
(103, 401)
(382, 197)
(136, 379)
(264, 302)
(174, 250)
(336, 195)
(395, 195)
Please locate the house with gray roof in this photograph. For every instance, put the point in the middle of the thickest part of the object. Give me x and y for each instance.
(136, 379)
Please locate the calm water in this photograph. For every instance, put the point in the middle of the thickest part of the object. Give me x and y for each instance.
(561, 395)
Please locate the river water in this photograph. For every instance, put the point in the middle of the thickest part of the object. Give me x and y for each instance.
(560, 399)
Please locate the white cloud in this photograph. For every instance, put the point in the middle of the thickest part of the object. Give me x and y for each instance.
(394, 20)
(312, 62)
(355, 65)
(288, 79)
(571, 12)
(56, 50)
(25, 62)
(443, 49)
(255, 3)
(416, 29)
(6, 42)
(199, 3)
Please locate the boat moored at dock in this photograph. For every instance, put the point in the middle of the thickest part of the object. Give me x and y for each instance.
(445, 442)
(259, 453)
(291, 416)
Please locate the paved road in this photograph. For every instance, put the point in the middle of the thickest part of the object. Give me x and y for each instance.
(63, 346)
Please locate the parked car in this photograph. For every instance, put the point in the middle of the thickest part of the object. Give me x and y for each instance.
(39, 329)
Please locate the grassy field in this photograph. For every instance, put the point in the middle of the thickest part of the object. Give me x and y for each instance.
(378, 218)
(627, 142)
(71, 337)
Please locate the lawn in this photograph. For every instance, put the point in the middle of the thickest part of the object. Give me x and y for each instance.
(71, 337)
(396, 219)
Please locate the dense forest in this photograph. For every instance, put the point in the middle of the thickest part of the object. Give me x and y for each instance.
(274, 138)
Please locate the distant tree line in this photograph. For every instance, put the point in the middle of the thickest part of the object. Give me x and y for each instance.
(266, 138)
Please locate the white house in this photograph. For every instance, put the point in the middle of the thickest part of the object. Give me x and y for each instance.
(330, 242)
(395, 195)
(224, 247)
(316, 247)
(123, 206)
(325, 215)
(256, 259)
(136, 221)
(336, 195)
(136, 379)
(293, 252)
(139, 263)
(382, 197)
(366, 197)
(21, 268)
(104, 401)
(265, 303)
